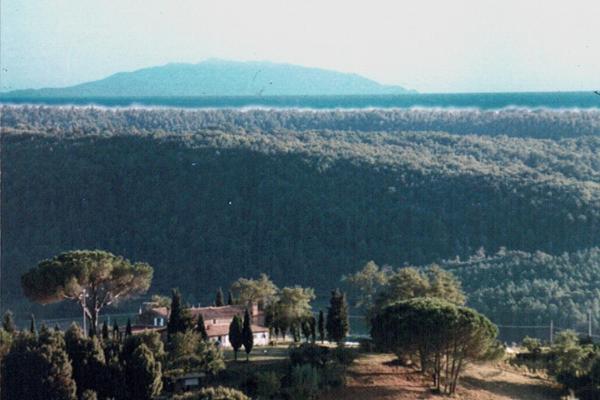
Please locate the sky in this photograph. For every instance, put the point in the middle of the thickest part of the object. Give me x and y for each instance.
(431, 46)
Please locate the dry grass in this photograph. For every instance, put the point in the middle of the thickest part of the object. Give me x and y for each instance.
(376, 377)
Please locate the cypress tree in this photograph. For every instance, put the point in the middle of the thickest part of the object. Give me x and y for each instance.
(313, 329)
(321, 326)
(230, 298)
(219, 300)
(105, 331)
(37, 369)
(201, 328)
(8, 322)
(32, 327)
(247, 335)
(128, 331)
(145, 374)
(235, 335)
(88, 358)
(115, 331)
(180, 319)
(337, 324)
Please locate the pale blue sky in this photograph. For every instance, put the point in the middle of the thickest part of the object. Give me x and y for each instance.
(431, 46)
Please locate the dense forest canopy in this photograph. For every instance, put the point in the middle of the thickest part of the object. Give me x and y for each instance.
(306, 197)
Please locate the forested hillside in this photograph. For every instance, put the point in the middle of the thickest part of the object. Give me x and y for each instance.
(207, 196)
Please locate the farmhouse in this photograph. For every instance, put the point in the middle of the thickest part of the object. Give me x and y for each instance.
(216, 321)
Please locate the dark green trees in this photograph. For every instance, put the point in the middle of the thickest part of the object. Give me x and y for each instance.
(8, 322)
(337, 324)
(235, 335)
(93, 279)
(201, 328)
(321, 326)
(180, 319)
(247, 335)
(145, 371)
(443, 335)
(219, 299)
(87, 357)
(37, 369)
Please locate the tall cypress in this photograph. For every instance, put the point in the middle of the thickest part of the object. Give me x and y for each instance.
(321, 326)
(180, 319)
(116, 334)
(201, 328)
(219, 300)
(337, 317)
(235, 335)
(8, 322)
(32, 327)
(247, 335)
(230, 298)
(128, 330)
(105, 331)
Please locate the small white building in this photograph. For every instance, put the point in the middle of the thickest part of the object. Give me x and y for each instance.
(216, 321)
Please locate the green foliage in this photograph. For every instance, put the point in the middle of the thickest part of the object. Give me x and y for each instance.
(187, 352)
(37, 369)
(444, 336)
(93, 279)
(8, 322)
(247, 335)
(219, 300)
(236, 338)
(321, 326)
(201, 328)
(89, 395)
(261, 291)
(290, 309)
(6, 339)
(214, 393)
(305, 382)
(533, 345)
(308, 192)
(180, 319)
(88, 360)
(143, 374)
(337, 317)
(367, 282)
(268, 385)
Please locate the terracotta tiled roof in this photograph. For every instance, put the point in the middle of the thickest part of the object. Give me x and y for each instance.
(222, 330)
(224, 312)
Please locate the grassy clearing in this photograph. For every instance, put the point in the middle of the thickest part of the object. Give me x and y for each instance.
(376, 376)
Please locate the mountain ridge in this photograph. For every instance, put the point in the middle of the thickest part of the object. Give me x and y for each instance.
(217, 77)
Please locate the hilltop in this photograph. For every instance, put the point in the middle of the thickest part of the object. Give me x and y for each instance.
(204, 196)
(216, 77)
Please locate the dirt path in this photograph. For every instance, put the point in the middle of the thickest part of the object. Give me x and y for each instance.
(375, 377)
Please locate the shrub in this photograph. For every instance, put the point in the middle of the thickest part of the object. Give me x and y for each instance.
(533, 345)
(304, 383)
(268, 384)
(214, 393)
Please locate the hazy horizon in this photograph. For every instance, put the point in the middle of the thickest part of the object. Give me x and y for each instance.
(429, 46)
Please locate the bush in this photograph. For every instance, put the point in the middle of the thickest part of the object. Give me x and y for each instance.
(308, 353)
(89, 395)
(304, 383)
(214, 393)
(268, 384)
(343, 355)
(333, 375)
(533, 345)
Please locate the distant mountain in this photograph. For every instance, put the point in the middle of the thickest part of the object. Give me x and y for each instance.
(222, 78)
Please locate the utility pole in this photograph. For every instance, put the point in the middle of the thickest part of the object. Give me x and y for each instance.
(551, 331)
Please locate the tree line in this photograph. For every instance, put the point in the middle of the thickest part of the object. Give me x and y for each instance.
(303, 206)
